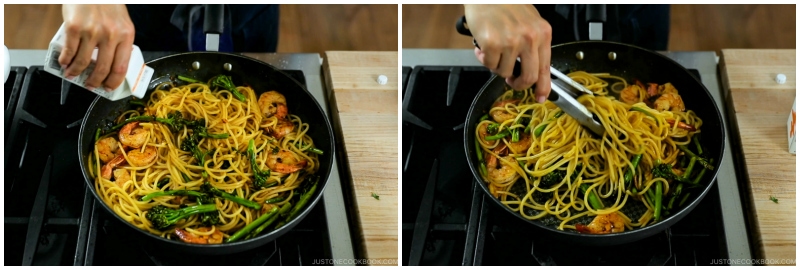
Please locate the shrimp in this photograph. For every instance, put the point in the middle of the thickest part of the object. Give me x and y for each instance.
(282, 128)
(483, 131)
(629, 95)
(121, 176)
(503, 172)
(138, 158)
(669, 102)
(521, 146)
(189, 237)
(682, 125)
(603, 224)
(501, 115)
(491, 160)
(667, 88)
(213, 238)
(499, 171)
(653, 89)
(285, 162)
(273, 103)
(107, 169)
(107, 148)
(132, 135)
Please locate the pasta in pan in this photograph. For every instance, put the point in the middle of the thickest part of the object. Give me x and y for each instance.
(205, 164)
(543, 164)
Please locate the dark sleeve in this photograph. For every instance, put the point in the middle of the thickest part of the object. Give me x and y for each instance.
(154, 32)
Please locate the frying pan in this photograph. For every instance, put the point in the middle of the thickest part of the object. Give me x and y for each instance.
(262, 77)
(628, 62)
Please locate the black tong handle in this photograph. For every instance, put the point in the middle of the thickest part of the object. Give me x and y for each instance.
(214, 21)
(463, 28)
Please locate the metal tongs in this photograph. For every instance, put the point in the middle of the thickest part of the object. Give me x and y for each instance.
(564, 90)
(564, 93)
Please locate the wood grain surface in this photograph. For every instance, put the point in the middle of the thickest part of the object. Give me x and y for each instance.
(367, 117)
(762, 108)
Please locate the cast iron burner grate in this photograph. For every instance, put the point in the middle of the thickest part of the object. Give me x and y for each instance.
(51, 217)
(447, 220)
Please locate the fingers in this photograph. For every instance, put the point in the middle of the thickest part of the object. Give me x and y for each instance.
(489, 57)
(82, 59)
(507, 60)
(543, 83)
(479, 55)
(105, 58)
(529, 72)
(119, 66)
(70, 46)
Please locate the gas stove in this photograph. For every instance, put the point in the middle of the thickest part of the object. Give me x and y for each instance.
(51, 217)
(447, 219)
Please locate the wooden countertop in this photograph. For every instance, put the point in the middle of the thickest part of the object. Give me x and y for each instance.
(762, 108)
(368, 120)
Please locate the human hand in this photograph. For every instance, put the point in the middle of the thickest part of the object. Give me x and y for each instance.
(505, 32)
(105, 27)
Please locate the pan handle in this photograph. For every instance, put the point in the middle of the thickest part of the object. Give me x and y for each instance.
(596, 17)
(463, 28)
(213, 25)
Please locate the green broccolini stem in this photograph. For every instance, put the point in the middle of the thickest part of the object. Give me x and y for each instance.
(226, 82)
(187, 79)
(697, 144)
(699, 159)
(302, 202)
(645, 112)
(658, 196)
(97, 135)
(671, 201)
(701, 174)
(177, 192)
(137, 102)
(312, 149)
(141, 118)
(285, 208)
(208, 188)
(538, 131)
(689, 168)
(259, 176)
(274, 200)
(631, 172)
(315, 150)
(479, 151)
(186, 178)
(244, 231)
(593, 200)
(683, 200)
(498, 136)
(205, 134)
(685, 176)
(649, 196)
(514, 135)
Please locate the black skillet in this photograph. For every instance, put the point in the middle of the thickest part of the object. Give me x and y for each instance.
(629, 62)
(262, 77)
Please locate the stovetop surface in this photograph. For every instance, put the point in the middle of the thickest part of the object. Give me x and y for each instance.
(447, 219)
(51, 218)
